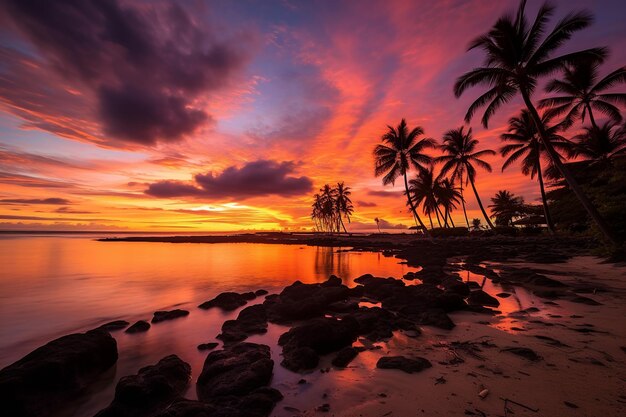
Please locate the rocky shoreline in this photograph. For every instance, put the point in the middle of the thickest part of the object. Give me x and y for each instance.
(324, 320)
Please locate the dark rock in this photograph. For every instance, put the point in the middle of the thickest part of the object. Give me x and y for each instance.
(377, 324)
(404, 364)
(473, 285)
(138, 327)
(114, 325)
(322, 336)
(258, 403)
(227, 301)
(344, 357)
(585, 300)
(55, 373)
(259, 293)
(569, 404)
(251, 320)
(344, 306)
(481, 298)
(324, 408)
(503, 295)
(164, 315)
(432, 317)
(460, 288)
(333, 281)
(303, 301)
(235, 370)
(523, 352)
(151, 390)
(208, 346)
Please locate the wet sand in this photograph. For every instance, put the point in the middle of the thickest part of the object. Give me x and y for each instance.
(588, 373)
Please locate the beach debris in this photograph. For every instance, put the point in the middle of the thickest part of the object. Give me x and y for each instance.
(164, 315)
(324, 408)
(408, 365)
(524, 352)
(138, 327)
(208, 346)
(585, 300)
(152, 389)
(551, 341)
(483, 393)
(570, 404)
(53, 374)
(508, 400)
(440, 380)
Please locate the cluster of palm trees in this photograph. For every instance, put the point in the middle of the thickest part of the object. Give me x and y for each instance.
(518, 54)
(331, 205)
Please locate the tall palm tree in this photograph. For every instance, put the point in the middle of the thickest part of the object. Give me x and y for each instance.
(505, 207)
(448, 197)
(524, 142)
(517, 55)
(402, 150)
(422, 190)
(581, 92)
(460, 156)
(343, 203)
(601, 144)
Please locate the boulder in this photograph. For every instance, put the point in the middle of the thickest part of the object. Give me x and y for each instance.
(236, 370)
(251, 320)
(227, 301)
(151, 390)
(321, 336)
(138, 327)
(481, 298)
(208, 346)
(55, 373)
(345, 356)
(402, 363)
(164, 315)
(114, 325)
(261, 292)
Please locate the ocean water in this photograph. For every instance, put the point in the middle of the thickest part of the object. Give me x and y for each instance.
(55, 285)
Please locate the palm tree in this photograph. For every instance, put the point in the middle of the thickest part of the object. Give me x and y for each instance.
(476, 224)
(601, 144)
(581, 92)
(516, 57)
(402, 150)
(505, 207)
(343, 203)
(423, 190)
(460, 157)
(448, 197)
(524, 142)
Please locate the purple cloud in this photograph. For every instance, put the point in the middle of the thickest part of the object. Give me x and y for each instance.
(52, 200)
(147, 68)
(254, 179)
(366, 204)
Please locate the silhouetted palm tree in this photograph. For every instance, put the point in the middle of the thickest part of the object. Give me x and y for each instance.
(422, 190)
(448, 197)
(505, 207)
(343, 203)
(476, 224)
(459, 158)
(581, 92)
(402, 150)
(600, 144)
(525, 143)
(517, 55)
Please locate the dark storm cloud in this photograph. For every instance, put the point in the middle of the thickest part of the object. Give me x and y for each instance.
(255, 179)
(148, 68)
(53, 201)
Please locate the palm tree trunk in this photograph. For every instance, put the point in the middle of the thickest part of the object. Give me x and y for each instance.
(544, 200)
(567, 174)
(450, 216)
(463, 203)
(343, 225)
(430, 218)
(444, 218)
(438, 221)
(413, 209)
(591, 118)
(480, 203)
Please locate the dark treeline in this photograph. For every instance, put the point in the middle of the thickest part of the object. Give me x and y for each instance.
(555, 140)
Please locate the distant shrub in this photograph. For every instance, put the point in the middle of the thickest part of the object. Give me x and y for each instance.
(449, 232)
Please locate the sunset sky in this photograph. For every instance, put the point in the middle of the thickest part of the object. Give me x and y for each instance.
(229, 115)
